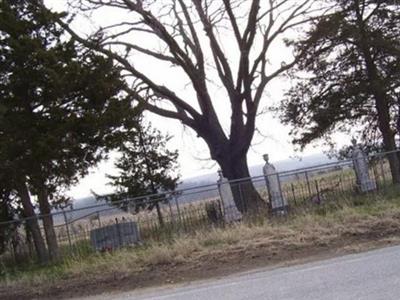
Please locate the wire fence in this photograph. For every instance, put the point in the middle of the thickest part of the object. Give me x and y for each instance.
(104, 226)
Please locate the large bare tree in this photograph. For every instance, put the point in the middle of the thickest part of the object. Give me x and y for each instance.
(214, 42)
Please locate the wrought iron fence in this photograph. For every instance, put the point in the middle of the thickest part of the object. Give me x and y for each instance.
(189, 210)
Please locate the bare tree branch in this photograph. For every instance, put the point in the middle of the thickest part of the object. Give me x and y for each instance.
(224, 42)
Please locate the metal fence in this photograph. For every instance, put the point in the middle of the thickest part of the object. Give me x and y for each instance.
(189, 210)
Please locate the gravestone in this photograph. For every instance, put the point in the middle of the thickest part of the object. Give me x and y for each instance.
(114, 236)
(278, 202)
(364, 182)
(231, 213)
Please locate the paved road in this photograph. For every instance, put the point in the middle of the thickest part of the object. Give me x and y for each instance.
(371, 275)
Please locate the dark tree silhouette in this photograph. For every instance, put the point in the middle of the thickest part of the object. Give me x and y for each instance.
(350, 77)
(146, 167)
(61, 109)
(190, 37)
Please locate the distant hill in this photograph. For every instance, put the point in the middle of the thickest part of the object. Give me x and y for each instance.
(195, 194)
(84, 208)
(281, 166)
(195, 184)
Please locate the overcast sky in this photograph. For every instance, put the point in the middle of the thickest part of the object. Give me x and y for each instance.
(194, 155)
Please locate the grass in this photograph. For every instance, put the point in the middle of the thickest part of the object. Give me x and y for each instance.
(323, 225)
(192, 217)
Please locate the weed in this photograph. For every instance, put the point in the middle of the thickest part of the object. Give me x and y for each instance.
(320, 226)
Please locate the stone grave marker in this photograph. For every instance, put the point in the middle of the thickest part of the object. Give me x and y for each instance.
(114, 236)
(365, 183)
(231, 213)
(278, 202)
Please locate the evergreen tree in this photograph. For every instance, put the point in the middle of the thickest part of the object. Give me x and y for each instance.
(146, 167)
(61, 110)
(7, 213)
(350, 77)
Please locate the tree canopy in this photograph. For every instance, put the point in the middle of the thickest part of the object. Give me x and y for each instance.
(334, 88)
(223, 43)
(62, 108)
(145, 167)
(349, 80)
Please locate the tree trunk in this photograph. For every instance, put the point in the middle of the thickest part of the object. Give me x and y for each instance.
(48, 224)
(245, 195)
(29, 241)
(32, 222)
(390, 145)
(382, 107)
(377, 89)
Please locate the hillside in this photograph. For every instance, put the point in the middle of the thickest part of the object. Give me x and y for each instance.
(197, 192)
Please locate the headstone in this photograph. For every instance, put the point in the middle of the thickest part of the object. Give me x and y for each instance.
(365, 183)
(114, 236)
(277, 200)
(231, 213)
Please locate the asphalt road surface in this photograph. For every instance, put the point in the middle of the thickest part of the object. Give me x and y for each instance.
(369, 275)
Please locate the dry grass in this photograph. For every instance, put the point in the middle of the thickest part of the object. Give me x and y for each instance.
(373, 219)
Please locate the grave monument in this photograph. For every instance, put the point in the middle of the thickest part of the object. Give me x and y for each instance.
(364, 182)
(278, 203)
(231, 213)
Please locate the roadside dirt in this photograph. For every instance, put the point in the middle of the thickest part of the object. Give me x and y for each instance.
(214, 264)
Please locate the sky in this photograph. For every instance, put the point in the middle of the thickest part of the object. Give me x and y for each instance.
(194, 155)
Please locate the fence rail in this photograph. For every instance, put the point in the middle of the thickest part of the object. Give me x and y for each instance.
(196, 208)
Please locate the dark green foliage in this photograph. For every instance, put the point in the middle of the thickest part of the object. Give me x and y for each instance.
(61, 107)
(145, 167)
(350, 75)
(9, 210)
(61, 110)
(6, 214)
